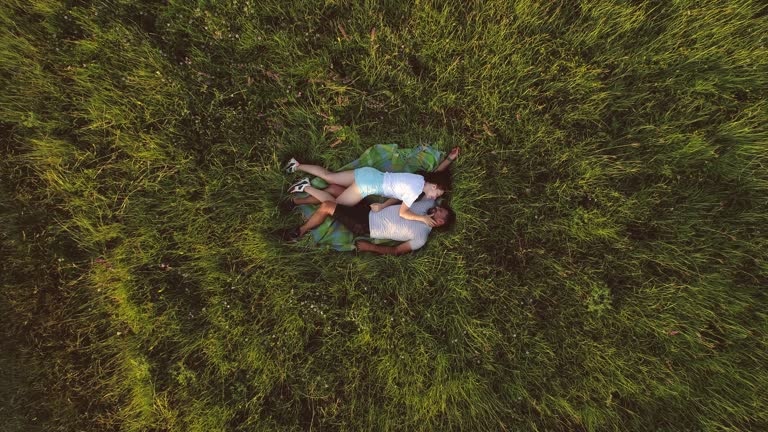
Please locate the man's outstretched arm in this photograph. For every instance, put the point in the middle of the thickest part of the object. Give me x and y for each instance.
(364, 246)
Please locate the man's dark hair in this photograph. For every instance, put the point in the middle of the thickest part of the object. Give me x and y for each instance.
(440, 178)
(450, 219)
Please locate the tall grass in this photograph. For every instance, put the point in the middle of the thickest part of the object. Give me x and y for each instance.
(606, 271)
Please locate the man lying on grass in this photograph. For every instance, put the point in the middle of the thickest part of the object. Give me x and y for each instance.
(386, 224)
(382, 221)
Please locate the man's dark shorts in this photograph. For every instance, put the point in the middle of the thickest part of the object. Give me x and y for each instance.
(355, 218)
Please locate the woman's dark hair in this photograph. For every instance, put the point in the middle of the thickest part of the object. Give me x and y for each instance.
(440, 178)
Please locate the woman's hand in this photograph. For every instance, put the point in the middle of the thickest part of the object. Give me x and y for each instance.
(376, 207)
(428, 220)
(453, 154)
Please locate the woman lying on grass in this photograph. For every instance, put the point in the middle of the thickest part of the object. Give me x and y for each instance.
(361, 182)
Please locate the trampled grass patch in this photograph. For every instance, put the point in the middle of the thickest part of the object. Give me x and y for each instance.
(606, 271)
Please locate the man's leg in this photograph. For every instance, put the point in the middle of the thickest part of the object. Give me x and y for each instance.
(327, 208)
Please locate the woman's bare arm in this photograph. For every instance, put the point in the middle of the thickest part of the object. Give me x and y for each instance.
(448, 159)
(406, 213)
(379, 207)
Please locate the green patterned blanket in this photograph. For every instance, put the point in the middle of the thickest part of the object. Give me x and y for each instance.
(384, 157)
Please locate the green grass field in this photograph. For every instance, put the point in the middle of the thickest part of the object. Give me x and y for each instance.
(607, 270)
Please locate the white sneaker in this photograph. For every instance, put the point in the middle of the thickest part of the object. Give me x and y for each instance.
(299, 186)
(291, 166)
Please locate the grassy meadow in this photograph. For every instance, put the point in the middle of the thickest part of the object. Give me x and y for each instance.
(607, 270)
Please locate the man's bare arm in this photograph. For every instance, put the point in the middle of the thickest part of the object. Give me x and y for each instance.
(364, 246)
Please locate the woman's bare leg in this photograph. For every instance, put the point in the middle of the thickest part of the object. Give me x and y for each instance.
(343, 178)
(319, 194)
(351, 196)
(333, 189)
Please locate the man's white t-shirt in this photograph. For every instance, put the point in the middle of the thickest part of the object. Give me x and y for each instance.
(403, 186)
(389, 225)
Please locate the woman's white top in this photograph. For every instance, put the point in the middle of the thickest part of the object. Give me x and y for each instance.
(403, 186)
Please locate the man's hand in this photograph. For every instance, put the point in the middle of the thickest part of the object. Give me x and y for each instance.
(453, 154)
(376, 207)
